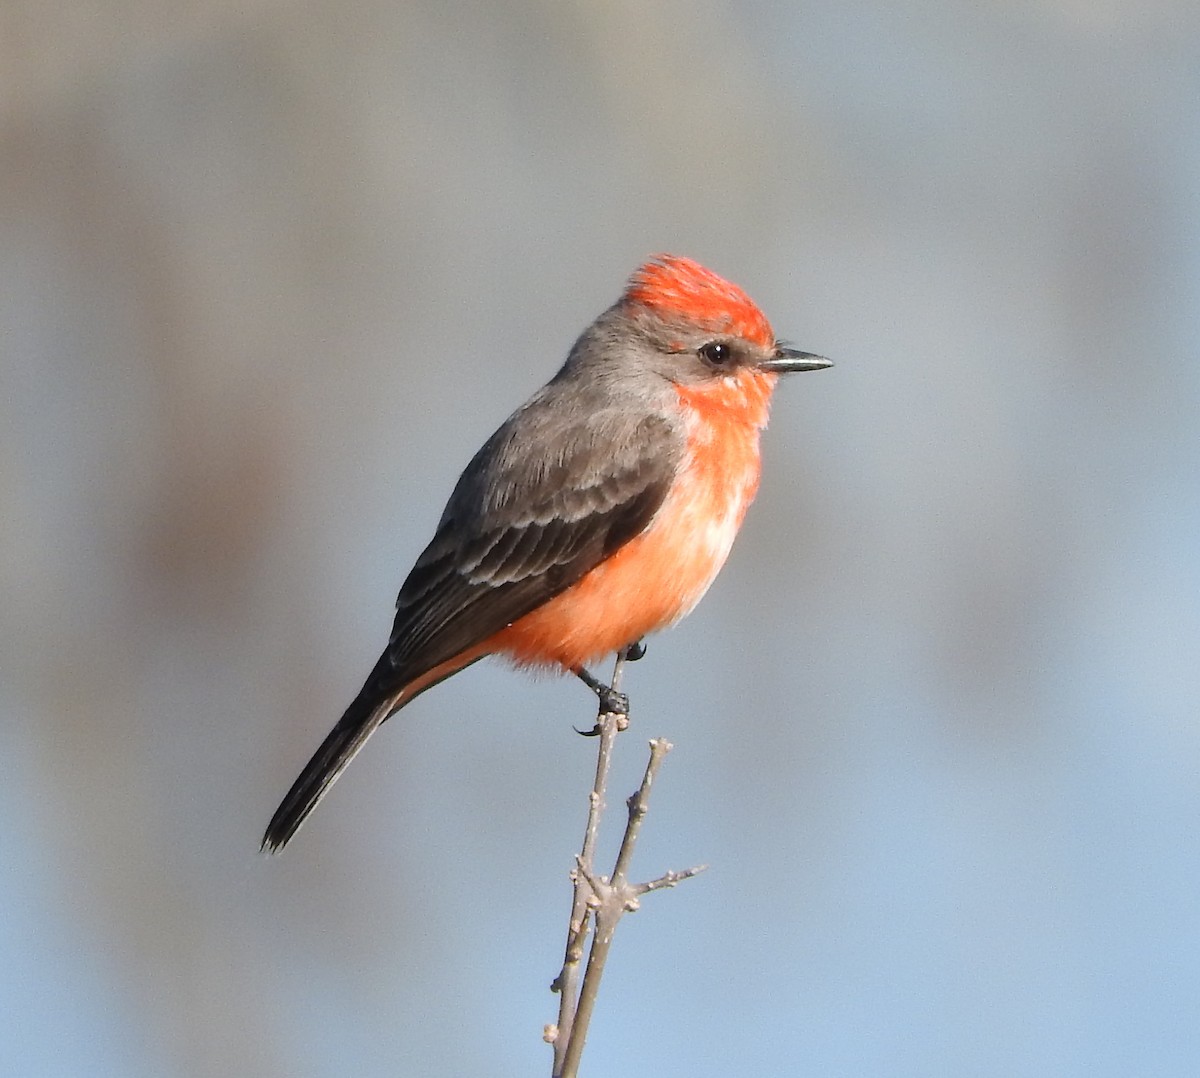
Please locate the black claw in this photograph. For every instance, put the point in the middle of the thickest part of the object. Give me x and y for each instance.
(635, 651)
(593, 732)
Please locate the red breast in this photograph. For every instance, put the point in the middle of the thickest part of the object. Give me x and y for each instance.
(660, 575)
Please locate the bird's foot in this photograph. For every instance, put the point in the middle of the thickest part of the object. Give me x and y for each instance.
(635, 651)
(619, 711)
(612, 702)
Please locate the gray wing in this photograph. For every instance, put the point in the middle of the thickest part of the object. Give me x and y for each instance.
(529, 517)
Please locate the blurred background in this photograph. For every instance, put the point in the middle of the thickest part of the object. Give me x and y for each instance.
(271, 273)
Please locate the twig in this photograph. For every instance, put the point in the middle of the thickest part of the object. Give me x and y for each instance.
(601, 900)
(567, 981)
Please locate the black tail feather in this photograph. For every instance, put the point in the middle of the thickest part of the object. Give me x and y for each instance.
(361, 720)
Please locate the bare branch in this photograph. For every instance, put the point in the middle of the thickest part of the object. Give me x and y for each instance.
(638, 805)
(567, 981)
(601, 900)
(667, 879)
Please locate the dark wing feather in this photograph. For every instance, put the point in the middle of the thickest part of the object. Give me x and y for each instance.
(560, 487)
(519, 529)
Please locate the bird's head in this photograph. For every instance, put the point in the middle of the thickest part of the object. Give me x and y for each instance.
(693, 327)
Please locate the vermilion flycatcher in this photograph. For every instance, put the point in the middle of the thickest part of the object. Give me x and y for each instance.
(599, 512)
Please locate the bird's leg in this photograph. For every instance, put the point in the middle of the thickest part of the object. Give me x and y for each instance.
(611, 701)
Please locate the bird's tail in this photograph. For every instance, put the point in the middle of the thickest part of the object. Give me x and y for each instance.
(381, 696)
(362, 718)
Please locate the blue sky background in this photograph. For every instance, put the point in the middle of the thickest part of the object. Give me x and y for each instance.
(274, 270)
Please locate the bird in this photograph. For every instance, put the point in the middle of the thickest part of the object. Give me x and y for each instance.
(599, 512)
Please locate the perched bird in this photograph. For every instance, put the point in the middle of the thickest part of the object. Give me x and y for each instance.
(599, 512)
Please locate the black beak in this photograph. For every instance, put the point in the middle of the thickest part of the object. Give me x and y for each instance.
(790, 359)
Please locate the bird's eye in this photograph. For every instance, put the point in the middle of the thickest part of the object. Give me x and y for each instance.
(717, 353)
